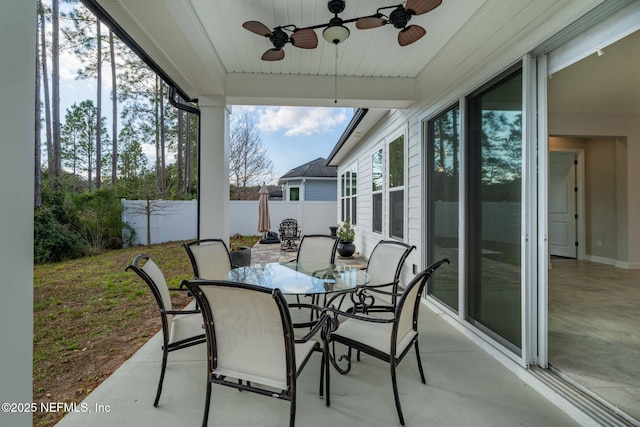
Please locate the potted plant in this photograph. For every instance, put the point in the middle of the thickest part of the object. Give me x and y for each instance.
(346, 234)
(240, 255)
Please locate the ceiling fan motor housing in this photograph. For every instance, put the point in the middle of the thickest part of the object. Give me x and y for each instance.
(399, 17)
(279, 38)
(336, 6)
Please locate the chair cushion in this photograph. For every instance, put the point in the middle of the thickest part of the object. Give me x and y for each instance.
(375, 335)
(302, 350)
(185, 326)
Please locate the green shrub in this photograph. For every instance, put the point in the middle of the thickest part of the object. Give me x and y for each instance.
(100, 218)
(53, 241)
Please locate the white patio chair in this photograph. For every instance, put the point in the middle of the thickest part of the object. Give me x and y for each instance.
(386, 339)
(384, 268)
(250, 340)
(315, 249)
(210, 258)
(180, 328)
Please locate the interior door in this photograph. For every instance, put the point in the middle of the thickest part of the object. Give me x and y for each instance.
(562, 205)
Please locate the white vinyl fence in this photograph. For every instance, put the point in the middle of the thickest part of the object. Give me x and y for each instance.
(172, 220)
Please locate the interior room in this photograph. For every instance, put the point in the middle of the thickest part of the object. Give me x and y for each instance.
(594, 276)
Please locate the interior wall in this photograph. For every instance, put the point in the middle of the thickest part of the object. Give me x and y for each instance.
(606, 203)
(626, 129)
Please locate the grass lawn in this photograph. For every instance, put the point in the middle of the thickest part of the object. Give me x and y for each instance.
(90, 316)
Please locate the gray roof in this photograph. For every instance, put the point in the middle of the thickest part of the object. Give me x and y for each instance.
(314, 169)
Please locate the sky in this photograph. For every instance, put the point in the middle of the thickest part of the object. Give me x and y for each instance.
(291, 136)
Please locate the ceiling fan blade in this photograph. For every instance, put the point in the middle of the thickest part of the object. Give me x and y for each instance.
(370, 22)
(305, 38)
(422, 6)
(273, 55)
(257, 27)
(410, 34)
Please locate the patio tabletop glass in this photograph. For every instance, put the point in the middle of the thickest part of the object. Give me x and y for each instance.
(300, 278)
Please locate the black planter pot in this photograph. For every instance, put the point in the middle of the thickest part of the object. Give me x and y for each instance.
(241, 257)
(346, 249)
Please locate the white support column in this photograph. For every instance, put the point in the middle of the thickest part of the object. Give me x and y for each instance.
(213, 214)
(17, 117)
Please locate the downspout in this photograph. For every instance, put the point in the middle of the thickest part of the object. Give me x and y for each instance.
(173, 92)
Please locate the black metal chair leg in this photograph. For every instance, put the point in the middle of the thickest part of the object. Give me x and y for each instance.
(394, 382)
(207, 403)
(424, 381)
(292, 412)
(327, 379)
(162, 370)
(322, 363)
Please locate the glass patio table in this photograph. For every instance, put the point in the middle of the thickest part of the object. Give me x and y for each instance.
(296, 278)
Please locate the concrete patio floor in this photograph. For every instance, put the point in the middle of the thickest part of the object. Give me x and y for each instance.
(466, 386)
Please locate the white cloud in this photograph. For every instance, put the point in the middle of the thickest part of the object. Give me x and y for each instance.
(300, 120)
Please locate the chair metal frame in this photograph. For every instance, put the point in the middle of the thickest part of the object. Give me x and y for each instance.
(192, 257)
(167, 347)
(363, 300)
(330, 335)
(289, 234)
(292, 373)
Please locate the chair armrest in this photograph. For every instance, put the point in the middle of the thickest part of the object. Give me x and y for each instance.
(349, 315)
(374, 287)
(319, 324)
(181, 311)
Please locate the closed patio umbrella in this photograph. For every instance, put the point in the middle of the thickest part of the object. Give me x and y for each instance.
(264, 223)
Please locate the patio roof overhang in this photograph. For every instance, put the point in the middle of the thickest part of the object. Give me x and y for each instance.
(200, 47)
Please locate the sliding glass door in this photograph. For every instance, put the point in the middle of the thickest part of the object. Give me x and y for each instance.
(494, 209)
(443, 166)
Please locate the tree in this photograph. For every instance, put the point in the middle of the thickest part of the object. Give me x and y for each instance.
(249, 164)
(114, 110)
(80, 151)
(55, 85)
(133, 163)
(45, 87)
(85, 40)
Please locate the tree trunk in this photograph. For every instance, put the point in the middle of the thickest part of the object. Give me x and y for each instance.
(187, 160)
(148, 222)
(163, 163)
(157, 122)
(179, 148)
(114, 113)
(55, 77)
(45, 84)
(99, 108)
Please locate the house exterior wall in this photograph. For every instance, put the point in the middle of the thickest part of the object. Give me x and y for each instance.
(320, 190)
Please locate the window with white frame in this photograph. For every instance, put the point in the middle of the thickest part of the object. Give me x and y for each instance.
(376, 189)
(395, 183)
(348, 195)
(294, 194)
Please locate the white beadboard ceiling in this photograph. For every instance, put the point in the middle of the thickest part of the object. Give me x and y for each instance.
(203, 47)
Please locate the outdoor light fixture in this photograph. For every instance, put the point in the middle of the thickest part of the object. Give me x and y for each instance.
(337, 33)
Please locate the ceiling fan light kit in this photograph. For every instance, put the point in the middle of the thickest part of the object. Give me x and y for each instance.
(335, 32)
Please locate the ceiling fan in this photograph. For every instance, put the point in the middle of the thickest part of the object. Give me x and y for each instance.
(335, 32)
